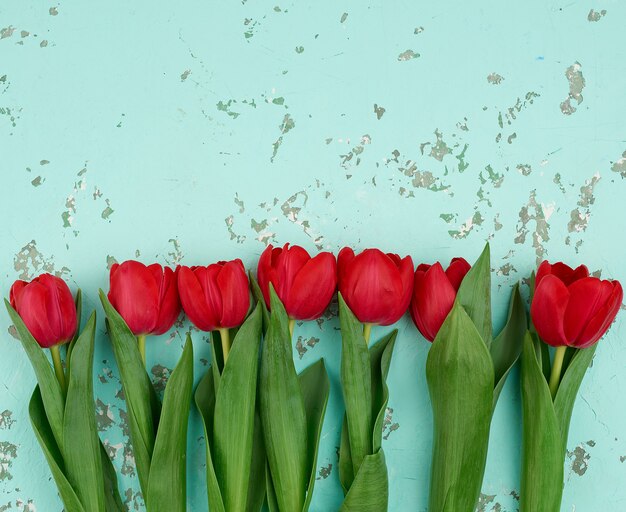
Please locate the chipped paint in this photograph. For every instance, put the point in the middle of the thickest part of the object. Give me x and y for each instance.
(576, 82)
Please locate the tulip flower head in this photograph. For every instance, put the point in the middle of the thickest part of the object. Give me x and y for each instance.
(304, 284)
(434, 292)
(215, 297)
(570, 308)
(145, 296)
(47, 308)
(375, 286)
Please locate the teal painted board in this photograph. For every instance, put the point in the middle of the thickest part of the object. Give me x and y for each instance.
(192, 131)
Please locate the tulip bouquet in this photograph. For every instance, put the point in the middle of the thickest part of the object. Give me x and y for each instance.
(293, 286)
(465, 370)
(570, 311)
(143, 300)
(61, 408)
(374, 289)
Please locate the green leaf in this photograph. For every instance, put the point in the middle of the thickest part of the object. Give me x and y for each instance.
(48, 444)
(113, 500)
(256, 488)
(475, 295)
(49, 387)
(369, 491)
(81, 451)
(346, 472)
(569, 386)
(217, 359)
(380, 360)
(167, 489)
(460, 377)
(542, 446)
(205, 402)
(78, 301)
(283, 413)
(356, 380)
(507, 347)
(138, 391)
(315, 389)
(272, 501)
(258, 295)
(233, 429)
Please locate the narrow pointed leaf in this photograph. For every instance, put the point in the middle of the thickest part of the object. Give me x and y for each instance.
(356, 381)
(475, 295)
(49, 387)
(205, 402)
(315, 389)
(48, 444)
(272, 501)
(138, 391)
(258, 295)
(368, 492)
(346, 472)
(81, 454)
(380, 358)
(283, 413)
(167, 487)
(542, 446)
(256, 489)
(507, 347)
(233, 430)
(460, 377)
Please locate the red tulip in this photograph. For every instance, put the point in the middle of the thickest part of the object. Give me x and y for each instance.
(570, 308)
(376, 286)
(434, 292)
(145, 296)
(304, 285)
(215, 297)
(47, 308)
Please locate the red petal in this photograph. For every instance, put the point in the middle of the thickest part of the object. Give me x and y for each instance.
(233, 284)
(602, 320)
(265, 271)
(33, 308)
(15, 292)
(587, 297)
(456, 272)
(405, 267)
(433, 298)
(313, 288)
(193, 299)
(169, 302)
(288, 264)
(548, 310)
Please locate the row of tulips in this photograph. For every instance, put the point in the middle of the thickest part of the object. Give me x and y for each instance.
(263, 421)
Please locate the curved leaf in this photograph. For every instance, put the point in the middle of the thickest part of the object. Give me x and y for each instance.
(542, 446)
(233, 428)
(256, 489)
(346, 472)
(356, 382)
(51, 394)
(167, 489)
(315, 389)
(138, 391)
(475, 295)
(380, 359)
(507, 347)
(283, 413)
(46, 439)
(205, 402)
(81, 451)
(369, 491)
(460, 377)
(258, 295)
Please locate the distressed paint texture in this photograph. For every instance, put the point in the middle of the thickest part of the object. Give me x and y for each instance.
(199, 131)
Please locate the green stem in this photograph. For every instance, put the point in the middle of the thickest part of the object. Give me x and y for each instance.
(367, 331)
(58, 366)
(141, 341)
(225, 336)
(557, 366)
(292, 325)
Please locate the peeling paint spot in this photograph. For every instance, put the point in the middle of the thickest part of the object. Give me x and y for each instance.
(576, 82)
(6, 420)
(29, 261)
(344, 17)
(185, 74)
(287, 125)
(529, 213)
(418, 30)
(389, 426)
(8, 453)
(467, 227)
(408, 55)
(160, 374)
(302, 345)
(579, 458)
(175, 256)
(620, 165)
(7, 32)
(495, 78)
(37, 181)
(299, 49)
(524, 169)
(325, 472)
(439, 149)
(579, 217)
(110, 261)
(379, 111)
(596, 15)
(53, 11)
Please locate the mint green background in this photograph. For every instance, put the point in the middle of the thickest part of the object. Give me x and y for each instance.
(188, 132)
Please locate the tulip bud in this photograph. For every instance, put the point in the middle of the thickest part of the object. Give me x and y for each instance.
(304, 285)
(434, 292)
(146, 297)
(376, 286)
(47, 308)
(216, 296)
(570, 308)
